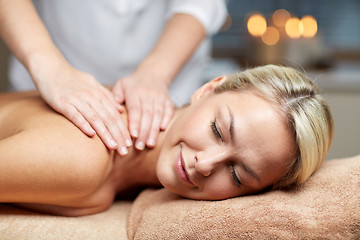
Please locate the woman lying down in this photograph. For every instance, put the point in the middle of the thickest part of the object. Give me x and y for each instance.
(266, 127)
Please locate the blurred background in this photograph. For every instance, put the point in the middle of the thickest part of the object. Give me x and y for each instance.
(320, 36)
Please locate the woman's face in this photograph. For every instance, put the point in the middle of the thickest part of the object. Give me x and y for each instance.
(225, 145)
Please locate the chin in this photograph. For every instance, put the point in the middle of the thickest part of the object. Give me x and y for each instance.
(165, 175)
(170, 183)
(180, 193)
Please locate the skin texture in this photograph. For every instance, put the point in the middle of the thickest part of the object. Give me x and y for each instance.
(84, 101)
(208, 158)
(47, 164)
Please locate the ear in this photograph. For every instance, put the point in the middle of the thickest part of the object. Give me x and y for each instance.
(207, 88)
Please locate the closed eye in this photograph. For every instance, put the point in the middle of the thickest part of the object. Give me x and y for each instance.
(215, 130)
(234, 176)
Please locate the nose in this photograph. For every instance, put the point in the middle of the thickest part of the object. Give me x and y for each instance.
(207, 161)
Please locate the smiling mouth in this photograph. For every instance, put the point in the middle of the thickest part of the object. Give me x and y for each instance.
(180, 169)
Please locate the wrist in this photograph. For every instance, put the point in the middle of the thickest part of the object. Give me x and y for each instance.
(42, 65)
(157, 70)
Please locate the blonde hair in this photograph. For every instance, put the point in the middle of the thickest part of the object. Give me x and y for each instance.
(306, 113)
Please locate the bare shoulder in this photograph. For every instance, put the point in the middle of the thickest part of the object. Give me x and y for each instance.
(45, 159)
(27, 112)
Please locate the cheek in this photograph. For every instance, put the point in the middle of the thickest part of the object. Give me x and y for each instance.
(192, 129)
(165, 166)
(219, 187)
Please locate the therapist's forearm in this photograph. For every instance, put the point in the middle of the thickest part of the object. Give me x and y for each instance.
(181, 37)
(26, 36)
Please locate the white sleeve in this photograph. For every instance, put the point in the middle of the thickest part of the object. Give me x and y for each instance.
(211, 13)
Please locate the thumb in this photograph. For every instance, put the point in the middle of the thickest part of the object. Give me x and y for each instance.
(118, 92)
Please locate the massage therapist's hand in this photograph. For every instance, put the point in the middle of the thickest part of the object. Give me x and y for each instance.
(145, 92)
(75, 94)
(85, 102)
(148, 104)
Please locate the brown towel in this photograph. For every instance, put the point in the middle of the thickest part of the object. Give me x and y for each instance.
(327, 206)
(20, 224)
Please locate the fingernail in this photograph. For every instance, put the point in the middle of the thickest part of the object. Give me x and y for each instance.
(134, 133)
(151, 142)
(113, 143)
(92, 131)
(140, 145)
(123, 151)
(128, 142)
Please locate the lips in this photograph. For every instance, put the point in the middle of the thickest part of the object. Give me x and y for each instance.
(181, 169)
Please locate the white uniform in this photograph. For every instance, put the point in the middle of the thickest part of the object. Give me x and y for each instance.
(109, 38)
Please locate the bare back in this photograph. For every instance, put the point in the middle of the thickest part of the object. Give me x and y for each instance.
(48, 162)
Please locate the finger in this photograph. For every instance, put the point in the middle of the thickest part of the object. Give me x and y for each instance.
(155, 128)
(97, 124)
(145, 124)
(118, 92)
(120, 134)
(75, 117)
(113, 99)
(134, 113)
(120, 108)
(114, 124)
(168, 113)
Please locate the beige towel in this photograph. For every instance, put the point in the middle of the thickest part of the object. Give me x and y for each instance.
(327, 206)
(19, 224)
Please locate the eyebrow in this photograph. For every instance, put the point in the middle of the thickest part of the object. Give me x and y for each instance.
(251, 172)
(231, 126)
(233, 139)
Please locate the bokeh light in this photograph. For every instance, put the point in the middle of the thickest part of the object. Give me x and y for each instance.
(271, 36)
(256, 25)
(280, 17)
(294, 27)
(310, 26)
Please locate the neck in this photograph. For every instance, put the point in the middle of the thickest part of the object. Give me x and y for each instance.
(138, 168)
